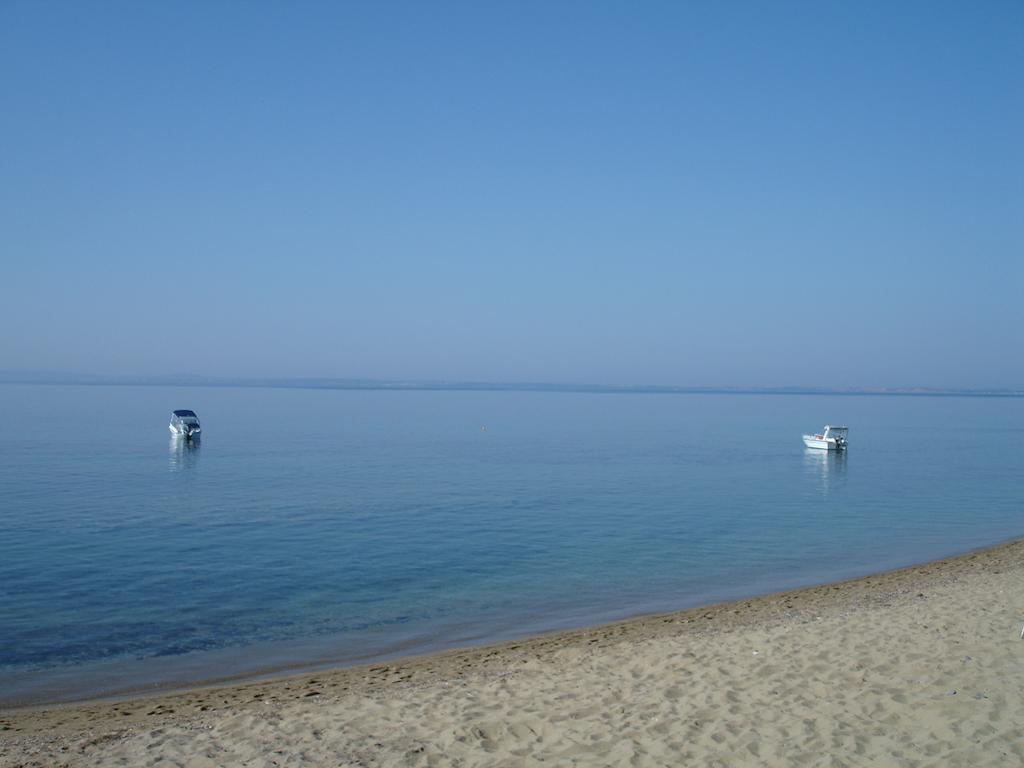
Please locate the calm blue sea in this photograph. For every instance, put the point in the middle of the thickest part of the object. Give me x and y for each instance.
(315, 527)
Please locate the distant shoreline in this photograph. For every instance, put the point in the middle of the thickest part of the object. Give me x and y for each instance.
(17, 377)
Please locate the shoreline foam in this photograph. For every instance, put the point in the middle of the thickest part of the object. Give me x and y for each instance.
(853, 668)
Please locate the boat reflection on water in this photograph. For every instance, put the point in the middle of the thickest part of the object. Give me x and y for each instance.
(829, 467)
(183, 454)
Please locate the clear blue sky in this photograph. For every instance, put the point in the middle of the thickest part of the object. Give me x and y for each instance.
(605, 192)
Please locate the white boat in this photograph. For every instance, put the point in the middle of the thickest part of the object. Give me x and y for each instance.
(829, 439)
(185, 424)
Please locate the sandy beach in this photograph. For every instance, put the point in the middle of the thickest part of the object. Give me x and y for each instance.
(921, 666)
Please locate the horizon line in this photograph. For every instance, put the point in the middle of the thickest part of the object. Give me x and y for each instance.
(342, 383)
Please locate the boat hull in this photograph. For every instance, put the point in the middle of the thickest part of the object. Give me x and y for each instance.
(825, 445)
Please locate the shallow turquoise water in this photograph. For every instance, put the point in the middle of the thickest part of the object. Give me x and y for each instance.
(335, 526)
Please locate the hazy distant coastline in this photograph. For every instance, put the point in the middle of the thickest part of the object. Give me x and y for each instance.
(183, 380)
